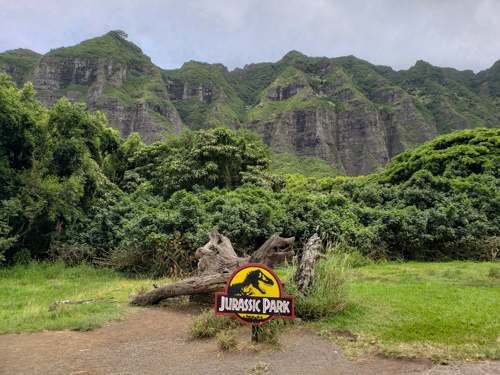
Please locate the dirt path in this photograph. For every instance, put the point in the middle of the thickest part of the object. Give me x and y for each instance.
(156, 341)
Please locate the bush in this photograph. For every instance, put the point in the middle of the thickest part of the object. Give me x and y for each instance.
(207, 324)
(269, 333)
(226, 340)
(494, 272)
(72, 255)
(328, 294)
(356, 259)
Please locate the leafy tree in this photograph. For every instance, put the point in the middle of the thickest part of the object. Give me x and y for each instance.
(21, 124)
(211, 158)
(460, 153)
(50, 163)
(117, 162)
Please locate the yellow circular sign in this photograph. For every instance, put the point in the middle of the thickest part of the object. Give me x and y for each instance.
(254, 294)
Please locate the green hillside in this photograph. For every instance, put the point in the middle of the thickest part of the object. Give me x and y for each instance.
(22, 58)
(111, 46)
(351, 114)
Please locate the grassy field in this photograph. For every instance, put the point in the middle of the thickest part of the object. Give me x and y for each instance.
(444, 311)
(27, 291)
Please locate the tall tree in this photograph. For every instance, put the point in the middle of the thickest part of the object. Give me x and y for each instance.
(50, 167)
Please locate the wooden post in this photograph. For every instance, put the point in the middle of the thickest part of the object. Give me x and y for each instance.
(256, 330)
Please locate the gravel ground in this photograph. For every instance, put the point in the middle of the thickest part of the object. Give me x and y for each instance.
(156, 341)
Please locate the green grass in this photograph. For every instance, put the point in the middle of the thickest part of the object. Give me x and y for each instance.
(27, 291)
(445, 311)
(207, 324)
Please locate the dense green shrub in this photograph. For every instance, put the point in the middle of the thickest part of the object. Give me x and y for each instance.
(458, 154)
(439, 201)
(424, 217)
(144, 233)
(72, 188)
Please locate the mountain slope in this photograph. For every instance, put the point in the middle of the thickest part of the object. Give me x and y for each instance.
(354, 115)
(113, 76)
(203, 94)
(18, 63)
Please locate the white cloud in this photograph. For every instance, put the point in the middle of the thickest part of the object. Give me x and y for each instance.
(456, 33)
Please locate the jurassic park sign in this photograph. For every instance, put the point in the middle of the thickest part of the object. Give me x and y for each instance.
(254, 294)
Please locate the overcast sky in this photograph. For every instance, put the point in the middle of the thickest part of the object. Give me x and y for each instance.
(462, 34)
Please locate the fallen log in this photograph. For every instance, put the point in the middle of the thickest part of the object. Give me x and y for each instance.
(191, 286)
(217, 260)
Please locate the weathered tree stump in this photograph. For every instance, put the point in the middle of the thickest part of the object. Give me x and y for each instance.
(304, 275)
(216, 262)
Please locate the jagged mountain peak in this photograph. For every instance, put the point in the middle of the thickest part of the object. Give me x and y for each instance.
(314, 65)
(197, 72)
(112, 46)
(293, 54)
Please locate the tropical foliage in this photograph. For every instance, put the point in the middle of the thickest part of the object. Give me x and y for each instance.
(71, 188)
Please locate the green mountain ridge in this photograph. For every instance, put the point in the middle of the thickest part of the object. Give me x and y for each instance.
(351, 114)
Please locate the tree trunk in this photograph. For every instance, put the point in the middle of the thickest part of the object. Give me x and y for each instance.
(305, 272)
(217, 260)
(190, 286)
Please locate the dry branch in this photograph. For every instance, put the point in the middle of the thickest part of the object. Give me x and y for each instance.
(191, 286)
(53, 305)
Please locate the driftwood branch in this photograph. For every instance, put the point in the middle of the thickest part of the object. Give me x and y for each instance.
(53, 305)
(272, 259)
(216, 262)
(191, 286)
(304, 275)
(217, 256)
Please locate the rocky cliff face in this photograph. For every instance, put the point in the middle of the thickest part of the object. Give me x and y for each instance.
(354, 115)
(99, 83)
(184, 91)
(203, 95)
(322, 114)
(16, 73)
(279, 93)
(353, 140)
(132, 96)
